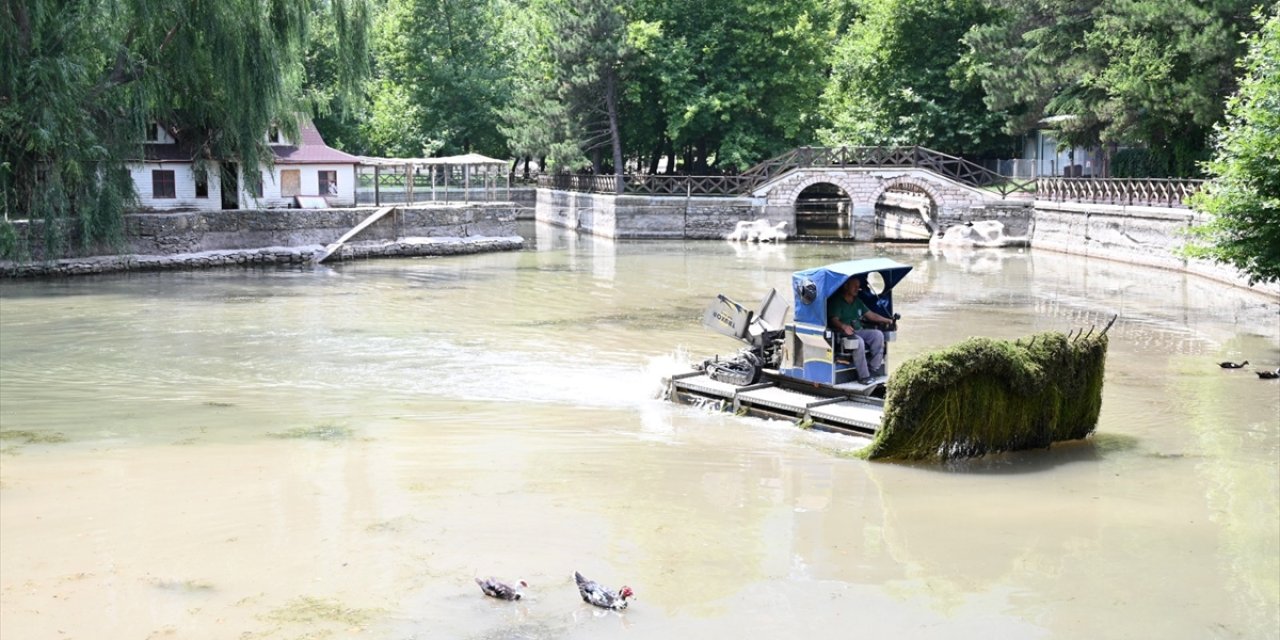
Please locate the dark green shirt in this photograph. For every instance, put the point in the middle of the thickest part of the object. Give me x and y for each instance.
(846, 312)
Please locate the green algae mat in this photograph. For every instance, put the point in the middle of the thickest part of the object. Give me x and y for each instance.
(985, 396)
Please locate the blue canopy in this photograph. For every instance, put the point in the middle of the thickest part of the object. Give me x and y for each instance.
(811, 301)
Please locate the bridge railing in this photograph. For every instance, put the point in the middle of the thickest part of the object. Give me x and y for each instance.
(958, 169)
(585, 183)
(1138, 191)
(652, 185)
(1155, 192)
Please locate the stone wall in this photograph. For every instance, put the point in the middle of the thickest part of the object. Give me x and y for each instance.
(267, 256)
(1018, 217)
(1150, 236)
(187, 232)
(650, 217)
(195, 238)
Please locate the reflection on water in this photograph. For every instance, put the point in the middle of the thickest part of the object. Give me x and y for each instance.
(282, 453)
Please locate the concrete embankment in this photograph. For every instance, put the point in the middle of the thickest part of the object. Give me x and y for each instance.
(1148, 236)
(202, 239)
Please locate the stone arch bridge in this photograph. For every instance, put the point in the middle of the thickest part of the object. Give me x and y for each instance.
(954, 190)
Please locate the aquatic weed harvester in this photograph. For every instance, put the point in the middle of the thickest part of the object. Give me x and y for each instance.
(979, 396)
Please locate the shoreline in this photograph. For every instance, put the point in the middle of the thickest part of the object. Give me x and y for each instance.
(278, 255)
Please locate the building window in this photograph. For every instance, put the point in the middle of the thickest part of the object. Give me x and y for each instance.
(162, 184)
(151, 135)
(290, 183)
(256, 187)
(202, 186)
(328, 183)
(273, 135)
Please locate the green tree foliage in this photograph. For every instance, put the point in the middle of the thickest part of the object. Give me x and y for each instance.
(728, 84)
(573, 65)
(1133, 72)
(337, 96)
(895, 79)
(588, 51)
(1026, 57)
(1244, 194)
(81, 79)
(709, 86)
(442, 73)
(535, 122)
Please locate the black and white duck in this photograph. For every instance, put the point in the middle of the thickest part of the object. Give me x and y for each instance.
(593, 593)
(1269, 375)
(494, 588)
(1233, 365)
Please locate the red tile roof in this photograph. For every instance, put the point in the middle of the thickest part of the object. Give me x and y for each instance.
(313, 150)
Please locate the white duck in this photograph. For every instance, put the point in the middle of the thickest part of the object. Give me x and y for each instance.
(501, 590)
(593, 593)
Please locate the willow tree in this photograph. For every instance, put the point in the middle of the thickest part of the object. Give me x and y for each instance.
(81, 79)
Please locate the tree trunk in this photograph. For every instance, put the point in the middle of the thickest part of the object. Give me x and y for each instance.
(615, 137)
(700, 155)
(655, 156)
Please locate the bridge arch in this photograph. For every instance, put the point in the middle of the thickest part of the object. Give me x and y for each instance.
(865, 188)
(823, 209)
(788, 190)
(900, 214)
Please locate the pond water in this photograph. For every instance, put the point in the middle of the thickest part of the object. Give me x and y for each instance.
(338, 452)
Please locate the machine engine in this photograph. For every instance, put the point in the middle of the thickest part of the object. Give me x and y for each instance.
(761, 331)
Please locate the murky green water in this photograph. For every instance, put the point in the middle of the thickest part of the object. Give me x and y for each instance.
(295, 453)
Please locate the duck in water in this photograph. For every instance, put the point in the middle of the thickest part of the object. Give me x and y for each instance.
(1269, 375)
(593, 593)
(1233, 365)
(493, 588)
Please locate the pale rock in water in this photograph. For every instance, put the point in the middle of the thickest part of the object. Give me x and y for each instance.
(758, 231)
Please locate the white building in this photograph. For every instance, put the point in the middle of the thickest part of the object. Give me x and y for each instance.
(1040, 150)
(166, 180)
